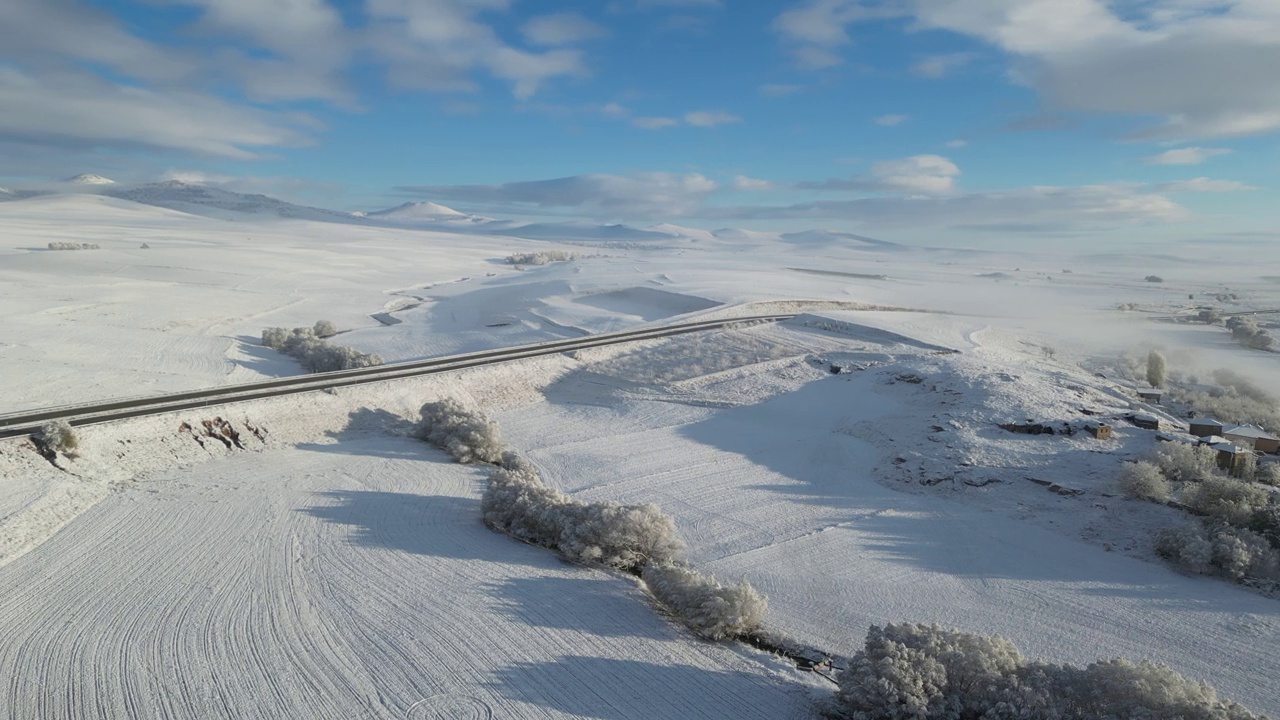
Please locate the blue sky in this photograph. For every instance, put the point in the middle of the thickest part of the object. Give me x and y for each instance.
(939, 120)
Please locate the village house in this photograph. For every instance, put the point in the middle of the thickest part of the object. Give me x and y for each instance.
(1151, 395)
(1232, 457)
(1253, 437)
(1206, 427)
(1146, 421)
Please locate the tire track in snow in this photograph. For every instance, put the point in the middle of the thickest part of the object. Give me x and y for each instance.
(354, 582)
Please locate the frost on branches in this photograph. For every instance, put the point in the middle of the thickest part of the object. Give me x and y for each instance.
(468, 436)
(923, 672)
(710, 609)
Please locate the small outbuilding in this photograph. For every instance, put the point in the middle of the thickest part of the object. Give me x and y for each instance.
(1146, 421)
(1206, 427)
(1232, 457)
(1101, 431)
(1253, 437)
(1151, 395)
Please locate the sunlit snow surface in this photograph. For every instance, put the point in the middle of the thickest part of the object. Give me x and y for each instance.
(335, 570)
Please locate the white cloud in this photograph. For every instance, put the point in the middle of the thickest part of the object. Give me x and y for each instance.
(891, 120)
(644, 195)
(939, 66)
(710, 118)
(749, 184)
(665, 196)
(48, 33)
(815, 29)
(613, 109)
(919, 174)
(435, 44)
(1206, 68)
(931, 174)
(1034, 210)
(655, 123)
(1186, 156)
(564, 28)
(64, 109)
(1204, 185)
(957, 143)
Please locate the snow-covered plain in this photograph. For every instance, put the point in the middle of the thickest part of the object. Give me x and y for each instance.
(332, 568)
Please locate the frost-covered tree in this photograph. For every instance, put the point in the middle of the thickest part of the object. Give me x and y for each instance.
(1227, 499)
(275, 337)
(465, 434)
(324, 329)
(1183, 462)
(621, 536)
(710, 609)
(1215, 548)
(1155, 369)
(624, 536)
(922, 672)
(1268, 474)
(1144, 480)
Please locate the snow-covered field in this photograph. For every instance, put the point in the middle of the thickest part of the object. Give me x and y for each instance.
(333, 568)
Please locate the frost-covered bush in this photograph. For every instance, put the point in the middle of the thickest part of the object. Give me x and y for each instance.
(1144, 480)
(518, 503)
(1245, 330)
(1268, 474)
(625, 536)
(1155, 369)
(710, 609)
(1219, 549)
(315, 354)
(1227, 499)
(921, 672)
(275, 337)
(1182, 462)
(57, 435)
(622, 536)
(73, 246)
(541, 258)
(465, 434)
(324, 329)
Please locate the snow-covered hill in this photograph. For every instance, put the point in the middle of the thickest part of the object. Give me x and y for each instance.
(576, 230)
(217, 202)
(90, 179)
(413, 211)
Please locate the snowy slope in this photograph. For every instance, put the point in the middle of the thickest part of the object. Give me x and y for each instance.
(342, 573)
(216, 202)
(90, 179)
(418, 212)
(343, 582)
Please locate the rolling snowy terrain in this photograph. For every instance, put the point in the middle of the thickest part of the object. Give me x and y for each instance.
(847, 462)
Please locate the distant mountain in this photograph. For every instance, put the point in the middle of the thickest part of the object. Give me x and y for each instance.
(574, 230)
(225, 204)
(681, 231)
(830, 237)
(418, 211)
(425, 212)
(90, 179)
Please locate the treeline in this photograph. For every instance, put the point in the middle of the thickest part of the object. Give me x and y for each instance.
(903, 672)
